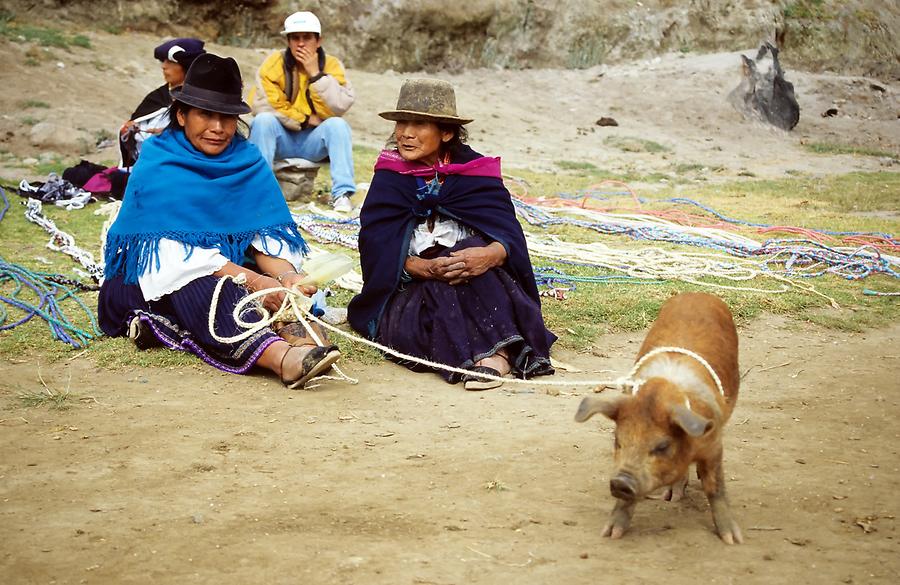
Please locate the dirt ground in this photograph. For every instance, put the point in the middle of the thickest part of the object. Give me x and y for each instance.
(187, 475)
(190, 476)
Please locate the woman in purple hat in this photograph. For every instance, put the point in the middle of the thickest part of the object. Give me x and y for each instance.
(202, 204)
(152, 114)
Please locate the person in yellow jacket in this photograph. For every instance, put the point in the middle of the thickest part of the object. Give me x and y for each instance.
(300, 95)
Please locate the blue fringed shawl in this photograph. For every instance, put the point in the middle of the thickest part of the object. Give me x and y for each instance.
(178, 193)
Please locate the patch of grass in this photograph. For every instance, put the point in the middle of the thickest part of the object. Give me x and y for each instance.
(29, 121)
(590, 310)
(634, 144)
(43, 36)
(54, 165)
(53, 399)
(805, 9)
(81, 41)
(834, 148)
(571, 165)
(25, 104)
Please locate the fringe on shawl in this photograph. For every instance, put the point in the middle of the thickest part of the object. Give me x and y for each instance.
(132, 255)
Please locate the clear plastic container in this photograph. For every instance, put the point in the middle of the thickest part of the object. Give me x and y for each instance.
(323, 268)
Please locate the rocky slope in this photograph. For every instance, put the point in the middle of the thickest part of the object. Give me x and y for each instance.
(847, 36)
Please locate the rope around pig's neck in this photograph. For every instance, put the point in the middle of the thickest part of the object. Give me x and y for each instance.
(296, 304)
(658, 350)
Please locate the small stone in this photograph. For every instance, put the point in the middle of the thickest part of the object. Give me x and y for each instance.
(197, 518)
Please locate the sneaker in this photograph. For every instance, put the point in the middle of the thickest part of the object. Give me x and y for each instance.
(342, 204)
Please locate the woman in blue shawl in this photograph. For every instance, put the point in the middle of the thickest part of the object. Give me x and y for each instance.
(445, 267)
(202, 204)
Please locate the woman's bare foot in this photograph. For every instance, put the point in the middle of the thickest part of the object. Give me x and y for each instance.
(495, 365)
(498, 361)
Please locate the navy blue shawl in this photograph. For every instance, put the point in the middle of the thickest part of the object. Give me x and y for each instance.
(390, 214)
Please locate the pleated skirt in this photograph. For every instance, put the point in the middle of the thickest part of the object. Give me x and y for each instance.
(180, 320)
(458, 325)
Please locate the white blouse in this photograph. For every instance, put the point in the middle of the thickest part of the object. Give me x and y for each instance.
(447, 232)
(176, 270)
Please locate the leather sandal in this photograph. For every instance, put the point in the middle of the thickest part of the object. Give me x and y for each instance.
(316, 361)
(475, 382)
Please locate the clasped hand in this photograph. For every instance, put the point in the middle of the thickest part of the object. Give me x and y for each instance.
(460, 266)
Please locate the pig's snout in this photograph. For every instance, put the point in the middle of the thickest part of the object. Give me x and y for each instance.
(623, 487)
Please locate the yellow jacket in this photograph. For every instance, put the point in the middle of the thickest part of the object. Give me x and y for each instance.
(331, 95)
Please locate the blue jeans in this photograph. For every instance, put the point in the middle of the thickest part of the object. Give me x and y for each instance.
(330, 139)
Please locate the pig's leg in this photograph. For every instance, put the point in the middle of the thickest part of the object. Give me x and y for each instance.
(619, 519)
(676, 491)
(713, 479)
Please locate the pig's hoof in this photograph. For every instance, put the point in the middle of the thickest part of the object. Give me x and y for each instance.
(614, 531)
(731, 534)
(676, 491)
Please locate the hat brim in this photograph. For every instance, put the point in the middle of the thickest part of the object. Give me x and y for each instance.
(410, 116)
(235, 109)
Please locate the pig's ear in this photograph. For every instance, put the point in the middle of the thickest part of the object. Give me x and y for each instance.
(690, 422)
(605, 405)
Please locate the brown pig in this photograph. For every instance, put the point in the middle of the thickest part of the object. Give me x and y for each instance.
(675, 417)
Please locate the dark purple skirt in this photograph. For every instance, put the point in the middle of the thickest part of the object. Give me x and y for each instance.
(458, 325)
(179, 320)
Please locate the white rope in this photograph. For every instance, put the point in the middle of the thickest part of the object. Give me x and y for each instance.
(668, 349)
(60, 241)
(298, 304)
(654, 263)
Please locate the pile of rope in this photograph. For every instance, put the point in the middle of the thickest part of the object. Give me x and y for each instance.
(41, 294)
(60, 241)
(735, 257)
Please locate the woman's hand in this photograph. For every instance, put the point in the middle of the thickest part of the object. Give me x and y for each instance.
(272, 301)
(292, 280)
(459, 266)
(471, 262)
(425, 269)
(125, 128)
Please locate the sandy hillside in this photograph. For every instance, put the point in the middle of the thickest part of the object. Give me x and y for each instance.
(187, 475)
(530, 118)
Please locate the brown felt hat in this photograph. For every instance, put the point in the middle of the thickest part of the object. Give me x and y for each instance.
(426, 100)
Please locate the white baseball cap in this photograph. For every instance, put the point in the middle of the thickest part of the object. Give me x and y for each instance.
(302, 22)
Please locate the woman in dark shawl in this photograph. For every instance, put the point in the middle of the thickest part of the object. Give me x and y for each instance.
(152, 114)
(446, 271)
(200, 202)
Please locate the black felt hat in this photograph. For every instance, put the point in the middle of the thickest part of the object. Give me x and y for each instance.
(213, 83)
